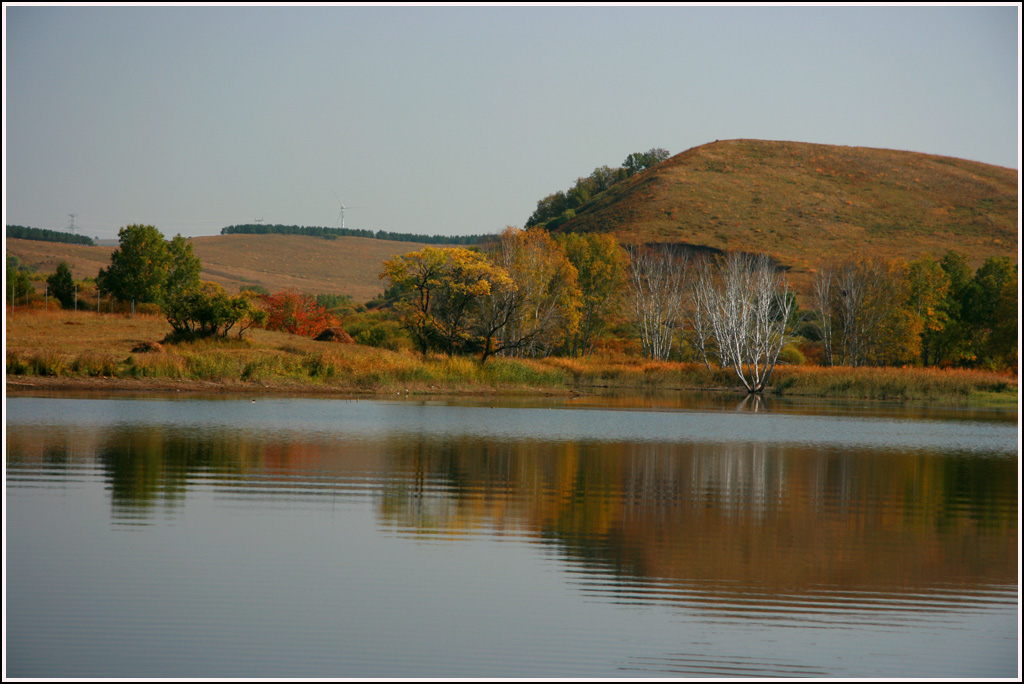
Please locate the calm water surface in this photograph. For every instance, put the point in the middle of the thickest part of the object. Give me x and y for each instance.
(608, 537)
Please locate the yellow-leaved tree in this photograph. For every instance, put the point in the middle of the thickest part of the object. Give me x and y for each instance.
(601, 265)
(542, 307)
(867, 310)
(442, 289)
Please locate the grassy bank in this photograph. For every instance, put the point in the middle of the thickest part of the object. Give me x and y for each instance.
(80, 346)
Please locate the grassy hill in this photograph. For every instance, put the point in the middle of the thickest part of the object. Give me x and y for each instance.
(804, 203)
(346, 265)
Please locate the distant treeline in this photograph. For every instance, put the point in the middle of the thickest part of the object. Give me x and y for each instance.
(318, 231)
(26, 233)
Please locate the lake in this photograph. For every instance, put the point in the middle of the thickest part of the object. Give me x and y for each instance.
(619, 536)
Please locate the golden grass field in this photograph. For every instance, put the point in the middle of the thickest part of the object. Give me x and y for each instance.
(311, 265)
(60, 349)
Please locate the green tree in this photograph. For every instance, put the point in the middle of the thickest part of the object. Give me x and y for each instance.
(638, 161)
(604, 177)
(990, 302)
(548, 208)
(138, 268)
(62, 285)
(19, 286)
(552, 211)
(1003, 339)
(208, 310)
(183, 266)
(953, 343)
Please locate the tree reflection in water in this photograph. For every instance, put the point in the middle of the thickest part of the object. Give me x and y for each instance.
(741, 514)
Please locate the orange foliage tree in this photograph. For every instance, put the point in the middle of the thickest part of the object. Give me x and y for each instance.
(296, 313)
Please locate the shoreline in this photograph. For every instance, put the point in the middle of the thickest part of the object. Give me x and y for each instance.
(157, 386)
(31, 384)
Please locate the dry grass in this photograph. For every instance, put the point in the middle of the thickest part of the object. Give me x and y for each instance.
(73, 333)
(951, 385)
(344, 266)
(803, 203)
(86, 344)
(85, 261)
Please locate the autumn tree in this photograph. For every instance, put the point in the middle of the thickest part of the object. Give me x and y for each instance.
(928, 286)
(870, 313)
(539, 308)
(601, 268)
(440, 291)
(897, 341)
(295, 313)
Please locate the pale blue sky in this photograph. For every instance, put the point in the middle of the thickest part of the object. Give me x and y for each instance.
(451, 120)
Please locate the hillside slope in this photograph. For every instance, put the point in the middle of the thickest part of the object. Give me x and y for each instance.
(804, 203)
(346, 265)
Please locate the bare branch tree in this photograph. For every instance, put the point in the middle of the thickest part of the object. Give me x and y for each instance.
(657, 282)
(701, 321)
(743, 306)
(824, 281)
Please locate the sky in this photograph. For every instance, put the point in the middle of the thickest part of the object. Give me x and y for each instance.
(456, 120)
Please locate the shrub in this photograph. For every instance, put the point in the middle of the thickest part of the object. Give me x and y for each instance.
(47, 363)
(384, 335)
(296, 313)
(504, 371)
(16, 365)
(95, 365)
(319, 365)
(791, 355)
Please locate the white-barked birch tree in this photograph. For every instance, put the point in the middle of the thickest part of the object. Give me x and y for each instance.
(741, 308)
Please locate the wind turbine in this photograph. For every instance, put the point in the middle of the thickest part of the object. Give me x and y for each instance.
(341, 212)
